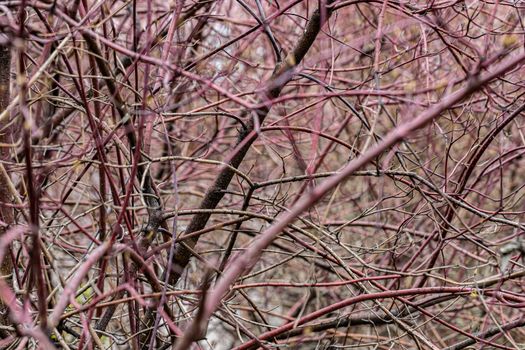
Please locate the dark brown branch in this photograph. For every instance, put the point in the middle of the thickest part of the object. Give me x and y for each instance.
(6, 213)
(282, 74)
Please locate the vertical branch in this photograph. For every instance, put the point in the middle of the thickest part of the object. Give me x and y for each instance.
(32, 181)
(6, 212)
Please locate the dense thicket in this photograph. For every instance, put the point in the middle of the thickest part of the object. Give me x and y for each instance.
(218, 174)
